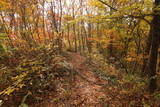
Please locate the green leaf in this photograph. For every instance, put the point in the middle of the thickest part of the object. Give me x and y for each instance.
(1, 102)
(2, 48)
(3, 36)
(23, 105)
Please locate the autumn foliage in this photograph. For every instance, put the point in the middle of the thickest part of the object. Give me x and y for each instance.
(119, 40)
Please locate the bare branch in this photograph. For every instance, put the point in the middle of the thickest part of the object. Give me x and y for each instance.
(107, 5)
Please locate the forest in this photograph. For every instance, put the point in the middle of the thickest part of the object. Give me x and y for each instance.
(79, 53)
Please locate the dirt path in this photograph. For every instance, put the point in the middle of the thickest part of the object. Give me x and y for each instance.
(85, 93)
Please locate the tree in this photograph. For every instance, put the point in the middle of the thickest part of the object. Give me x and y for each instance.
(155, 32)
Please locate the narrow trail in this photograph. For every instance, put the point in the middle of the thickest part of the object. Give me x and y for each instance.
(85, 93)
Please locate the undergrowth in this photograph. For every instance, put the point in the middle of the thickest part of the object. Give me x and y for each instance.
(130, 86)
(26, 76)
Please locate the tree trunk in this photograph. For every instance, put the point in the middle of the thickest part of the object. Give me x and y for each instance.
(68, 36)
(146, 53)
(154, 49)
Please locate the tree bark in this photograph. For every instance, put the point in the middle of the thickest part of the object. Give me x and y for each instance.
(154, 49)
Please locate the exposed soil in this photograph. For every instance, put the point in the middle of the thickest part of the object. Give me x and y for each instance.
(83, 93)
(86, 92)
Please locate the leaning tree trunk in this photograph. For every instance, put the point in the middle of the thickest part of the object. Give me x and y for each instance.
(155, 45)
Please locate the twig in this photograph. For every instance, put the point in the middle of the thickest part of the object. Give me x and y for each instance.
(107, 5)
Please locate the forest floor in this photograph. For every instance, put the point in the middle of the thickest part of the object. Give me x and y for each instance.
(86, 82)
(84, 91)
(87, 90)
